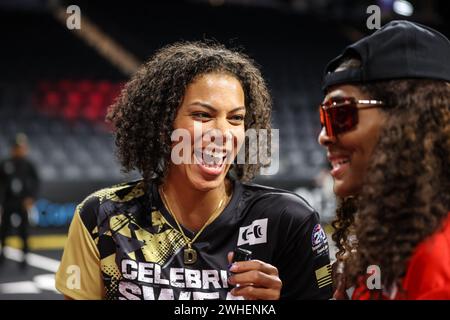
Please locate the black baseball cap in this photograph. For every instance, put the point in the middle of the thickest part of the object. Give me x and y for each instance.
(399, 50)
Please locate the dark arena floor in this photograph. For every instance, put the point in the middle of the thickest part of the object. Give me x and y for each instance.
(34, 280)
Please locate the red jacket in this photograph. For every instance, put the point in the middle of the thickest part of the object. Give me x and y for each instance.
(428, 272)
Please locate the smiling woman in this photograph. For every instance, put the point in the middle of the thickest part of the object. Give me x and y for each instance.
(169, 235)
(213, 101)
(350, 153)
(386, 128)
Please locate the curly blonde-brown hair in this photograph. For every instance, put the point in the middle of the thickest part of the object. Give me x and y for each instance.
(144, 113)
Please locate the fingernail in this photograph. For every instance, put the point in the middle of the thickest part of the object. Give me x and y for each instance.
(234, 267)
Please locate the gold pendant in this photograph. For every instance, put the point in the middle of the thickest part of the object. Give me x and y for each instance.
(190, 256)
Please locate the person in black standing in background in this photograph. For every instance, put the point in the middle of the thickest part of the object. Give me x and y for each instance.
(19, 183)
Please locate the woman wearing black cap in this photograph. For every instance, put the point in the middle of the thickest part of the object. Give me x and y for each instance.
(386, 128)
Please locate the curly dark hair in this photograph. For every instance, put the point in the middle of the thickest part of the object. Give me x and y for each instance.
(405, 196)
(345, 218)
(144, 112)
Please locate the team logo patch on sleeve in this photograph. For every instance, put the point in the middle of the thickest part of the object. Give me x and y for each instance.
(323, 276)
(253, 234)
(319, 240)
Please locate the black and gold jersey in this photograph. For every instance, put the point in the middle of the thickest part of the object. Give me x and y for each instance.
(124, 244)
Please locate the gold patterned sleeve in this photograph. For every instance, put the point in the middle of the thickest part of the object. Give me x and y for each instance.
(79, 275)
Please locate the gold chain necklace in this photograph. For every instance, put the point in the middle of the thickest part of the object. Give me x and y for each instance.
(189, 253)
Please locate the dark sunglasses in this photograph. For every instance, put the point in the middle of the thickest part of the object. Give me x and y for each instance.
(340, 114)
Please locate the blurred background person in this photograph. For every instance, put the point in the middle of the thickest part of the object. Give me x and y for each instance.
(19, 184)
